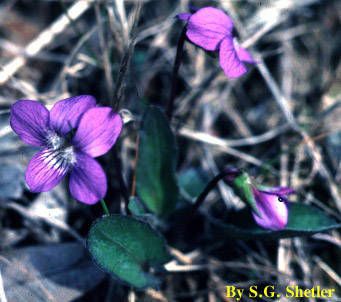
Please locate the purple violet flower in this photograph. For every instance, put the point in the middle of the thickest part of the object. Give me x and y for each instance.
(70, 136)
(211, 29)
(272, 207)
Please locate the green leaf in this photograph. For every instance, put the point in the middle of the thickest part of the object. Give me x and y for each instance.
(135, 206)
(192, 182)
(243, 188)
(155, 175)
(126, 247)
(304, 220)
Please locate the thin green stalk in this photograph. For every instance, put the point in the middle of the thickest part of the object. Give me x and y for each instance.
(105, 208)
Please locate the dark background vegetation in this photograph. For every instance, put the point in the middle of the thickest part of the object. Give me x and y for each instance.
(281, 122)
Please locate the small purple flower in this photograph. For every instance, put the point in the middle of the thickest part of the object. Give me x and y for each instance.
(211, 29)
(272, 207)
(70, 136)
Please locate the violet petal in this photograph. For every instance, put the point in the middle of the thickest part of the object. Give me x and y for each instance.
(243, 54)
(279, 190)
(29, 119)
(208, 27)
(273, 214)
(45, 170)
(184, 16)
(88, 183)
(229, 61)
(98, 130)
(65, 114)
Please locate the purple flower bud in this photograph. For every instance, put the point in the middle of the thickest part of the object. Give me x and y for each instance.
(272, 207)
(211, 29)
(231, 173)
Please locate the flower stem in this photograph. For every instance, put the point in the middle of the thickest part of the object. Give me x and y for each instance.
(105, 208)
(228, 173)
(175, 78)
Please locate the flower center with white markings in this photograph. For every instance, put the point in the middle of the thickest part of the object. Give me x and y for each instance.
(54, 141)
(68, 154)
(60, 152)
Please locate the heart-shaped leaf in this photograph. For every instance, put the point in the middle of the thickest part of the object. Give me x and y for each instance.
(155, 173)
(304, 220)
(126, 248)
